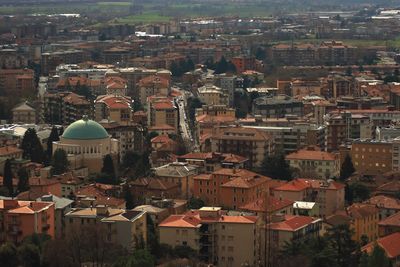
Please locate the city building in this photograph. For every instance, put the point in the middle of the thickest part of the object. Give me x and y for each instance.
(180, 173)
(249, 143)
(364, 156)
(230, 188)
(329, 195)
(219, 238)
(162, 111)
(213, 95)
(390, 244)
(21, 219)
(387, 205)
(116, 108)
(314, 163)
(389, 225)
(24, 113)
(123, 227)
(87, 143)
(277, 106)
(153, 85)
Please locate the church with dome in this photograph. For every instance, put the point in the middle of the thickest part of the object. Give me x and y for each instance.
(86, 143)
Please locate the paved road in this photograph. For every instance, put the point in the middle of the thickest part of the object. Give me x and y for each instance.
(190, 143)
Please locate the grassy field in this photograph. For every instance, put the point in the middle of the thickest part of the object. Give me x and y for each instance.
(114, 7)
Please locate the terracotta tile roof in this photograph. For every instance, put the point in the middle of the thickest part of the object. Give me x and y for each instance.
(100, 196)
(115, 102)
(241, 133)
(153, 183)
(183, 221)
(241, 182)
(390, 243)
(360, 210)
(115, 83)
(233, 158)
(384, 202)
(162, 139)
(75, 99)
(154, 80)
(206, 118)
(392, 187)
(26, 207)
(393, 220)
(294, 185)
(332, 185)
(163, 105)
(161, 127)
(203, 177)
(338, 219)
(307, 154)
(292, 223)
(273, 205)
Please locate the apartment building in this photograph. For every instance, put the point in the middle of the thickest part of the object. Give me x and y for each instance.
(314, 163)
(329, 195)
(390, 244)
(219, 238)
(127, 228)
(277, 106)
(20, 219)
(282, 229)
(212, 161)
(294, 136)
(17, 82)
(116, 108)
(230, 188)
(365, 160)
(345, 126)
(24, 113)
(162, 111)
(115, 85)
(64, 108)
(213, 95)
(76, 83)
(50, 60)
(246, 142)
(180, 173)
(153, 85)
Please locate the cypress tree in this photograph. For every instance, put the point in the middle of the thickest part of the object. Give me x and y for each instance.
(23, 180)
(60, 161)
(31, 146)
(7, 180)
(54, 137)
(347, 168)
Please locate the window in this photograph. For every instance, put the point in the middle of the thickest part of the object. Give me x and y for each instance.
(230, 249)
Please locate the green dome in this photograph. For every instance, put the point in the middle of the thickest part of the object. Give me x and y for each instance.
(85, 129)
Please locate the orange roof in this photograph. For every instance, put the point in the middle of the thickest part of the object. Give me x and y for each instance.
(273, 205)
(241, 182)
(384, 202)
(307, 154)
(24, 207)
(115, 83)
(163, 105)
(115, 102)
(393, 220)
(154, 80)
(206, 118)
(294, 185)
(101, 198)
(360, 210)
(180, 221)
(390, 243)
(162, 139)
(75, 99)
(292, 223)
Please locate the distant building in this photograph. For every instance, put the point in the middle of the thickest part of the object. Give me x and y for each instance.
(219, 238)
(21, 219)
(162, 111)
(277, 106)
(314, 163)
(213, 95)
(24, 113)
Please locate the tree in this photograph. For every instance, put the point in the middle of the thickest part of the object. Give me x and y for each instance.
(31, 146)
(8, 255)
(347, 168)
(139, 258)
(175, 69)
(195, 203)
(108, 169)
(357, 192)
(260, 53)
(192, 104)
(340, 241)
(60, 161)
(29, 255)
(364, 260)
(276, 167)
(378, 258)
(53, 137)
(130, 204)
(23, 180)
(8, 178)
(222, 66)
